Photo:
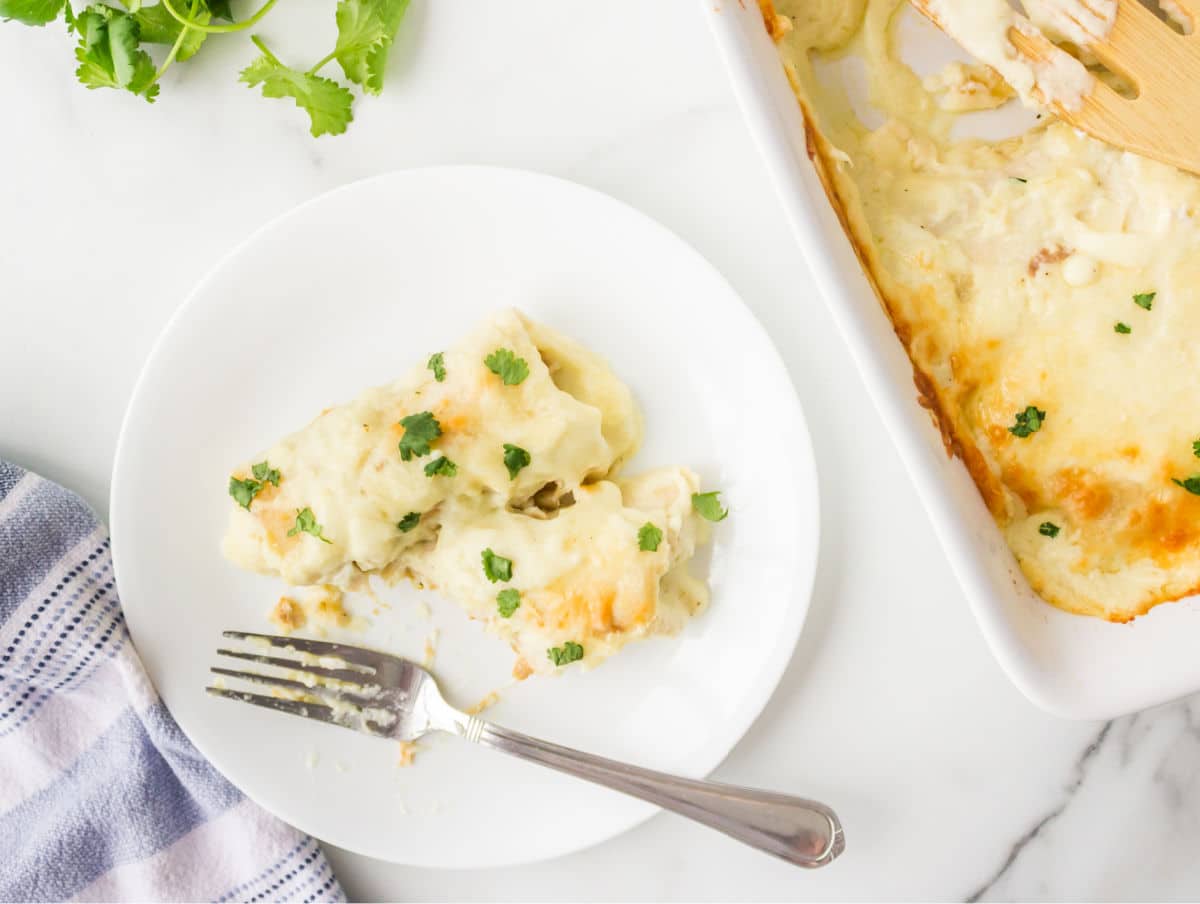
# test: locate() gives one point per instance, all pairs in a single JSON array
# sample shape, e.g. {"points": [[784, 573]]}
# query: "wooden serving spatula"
{"points": [[1163, 120]]}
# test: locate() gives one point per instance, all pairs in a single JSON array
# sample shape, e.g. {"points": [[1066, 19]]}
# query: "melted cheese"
{"points": [[1005, 267], [1081, 22], [983, 28], [964, 86], [568, 526]]}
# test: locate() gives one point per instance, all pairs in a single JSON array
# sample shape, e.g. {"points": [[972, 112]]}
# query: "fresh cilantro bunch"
{"points": [[112, 39]]}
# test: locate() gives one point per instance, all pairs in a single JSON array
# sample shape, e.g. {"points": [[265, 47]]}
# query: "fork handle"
{"points": [[799, 831]]}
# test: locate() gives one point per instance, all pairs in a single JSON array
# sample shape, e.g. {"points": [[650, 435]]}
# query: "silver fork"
{"points": [[389, 697]]}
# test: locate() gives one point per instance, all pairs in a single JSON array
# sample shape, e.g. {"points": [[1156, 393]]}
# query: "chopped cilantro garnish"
{"points": [[264, 472], [306, 523], [441, 467], [438, 365], [515, 458], [408, 522], [566, 654], [1048, 529], [1191, 484], [1029, 421], [1123, 328], [507, 602], [244, 491], [507, 366], [419, 431], [496, 568], [1144, 300], [649, 537], [708, 505], [1196, 448]]}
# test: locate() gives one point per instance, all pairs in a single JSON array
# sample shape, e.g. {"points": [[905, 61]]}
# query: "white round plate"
{"points": [[346, 292]]}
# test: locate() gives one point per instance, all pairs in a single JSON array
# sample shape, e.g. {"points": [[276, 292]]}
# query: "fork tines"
{"points": [[350, 701]]}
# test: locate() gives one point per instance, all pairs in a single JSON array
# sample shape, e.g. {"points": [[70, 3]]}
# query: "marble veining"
{"points": [[1035, 833], [1132, 799]]}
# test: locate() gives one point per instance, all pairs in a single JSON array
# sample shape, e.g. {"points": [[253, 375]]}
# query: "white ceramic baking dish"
{"points": [[1069, 665]]}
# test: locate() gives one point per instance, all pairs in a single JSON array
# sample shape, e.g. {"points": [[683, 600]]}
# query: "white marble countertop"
{"points": [[949, 783]]}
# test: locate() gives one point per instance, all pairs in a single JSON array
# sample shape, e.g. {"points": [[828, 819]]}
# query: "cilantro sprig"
{"points": [[1028, 422], [244, 490], [264, 472], [420, 430], [325, 101], [515, 458], [109, 52], [507, 366], [507, 602], [306, 523], [441, 467], [366, 31], [1191, 484], [569, 652], [31, 12], [496, 568], [437, 364], [649, 536], [708, 506], [113, 38]]}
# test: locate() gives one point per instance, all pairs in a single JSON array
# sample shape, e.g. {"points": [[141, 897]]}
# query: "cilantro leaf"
{"points": [[420, 430], [1196, 448], [244, 491], [1123, 328], [496, 568], [306, 523], [438, 365], [31, 12], [393, 14], [441, 467], [507, 366], [1191, 484], [708, 506], [566, 654], [507, 602], [1144, 300], [1048, 529], [515, 458], [1028, 422], [157, 26], [220, 9], [408, 522], [108, 52], [264, 472], [360, 30], [649, 537], [366, 31], [325, 101]]}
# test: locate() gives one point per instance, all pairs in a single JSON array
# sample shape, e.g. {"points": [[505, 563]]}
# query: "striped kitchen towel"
{"points": [[101, 795]]}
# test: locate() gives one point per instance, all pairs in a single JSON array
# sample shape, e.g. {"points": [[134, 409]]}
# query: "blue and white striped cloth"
{"points": [[101, 795]]}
